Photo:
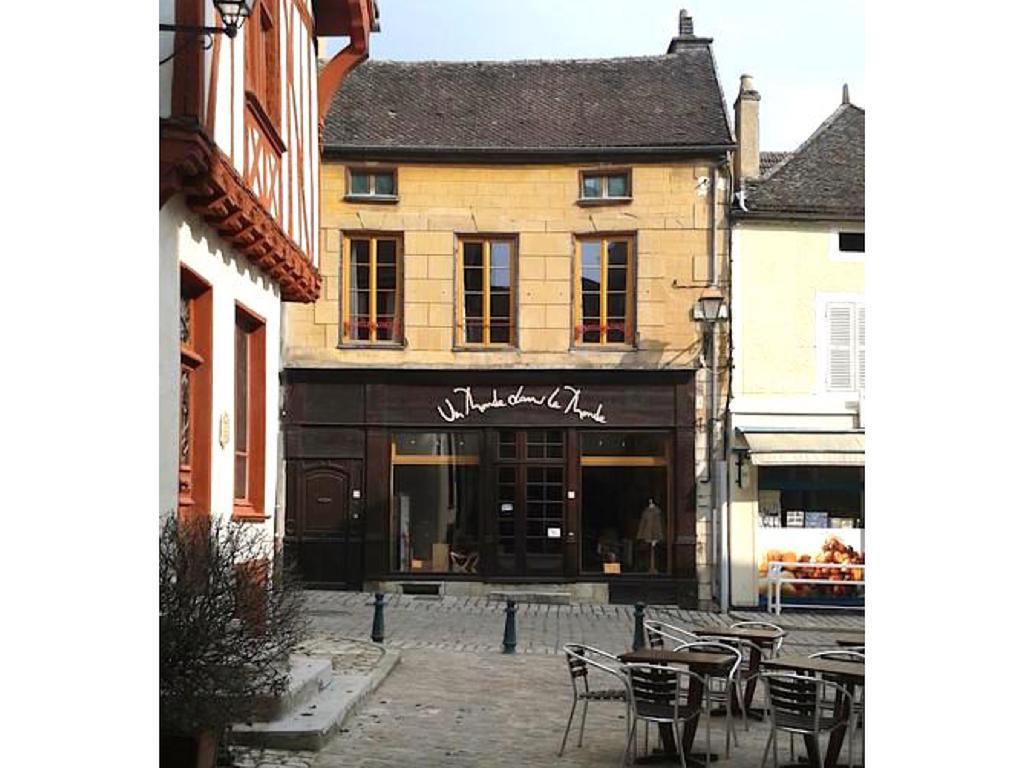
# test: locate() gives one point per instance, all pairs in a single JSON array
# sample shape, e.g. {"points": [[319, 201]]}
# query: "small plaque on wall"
{"points": [[554, 533], [613, 567]]}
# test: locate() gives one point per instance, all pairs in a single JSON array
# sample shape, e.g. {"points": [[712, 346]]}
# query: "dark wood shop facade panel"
{"points": [[499, 475]]}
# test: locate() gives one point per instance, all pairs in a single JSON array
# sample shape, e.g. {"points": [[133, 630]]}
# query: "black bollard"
{"points": [[377, 633], [638, 627], [509, 642]]}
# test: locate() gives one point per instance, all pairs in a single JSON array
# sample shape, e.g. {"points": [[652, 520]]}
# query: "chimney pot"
{"points": [[685, 23], [846, 93], [748, 143]]}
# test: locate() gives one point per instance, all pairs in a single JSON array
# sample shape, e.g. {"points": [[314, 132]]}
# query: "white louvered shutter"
{"points": [[860, 347], [839, 319]]}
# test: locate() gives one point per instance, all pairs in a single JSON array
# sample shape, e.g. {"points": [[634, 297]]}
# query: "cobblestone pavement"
{"points": [[455, 700], [442, 708], [476, 624]]}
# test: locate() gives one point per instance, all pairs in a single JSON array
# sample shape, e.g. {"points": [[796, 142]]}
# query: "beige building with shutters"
{"points": [[796, 411]]}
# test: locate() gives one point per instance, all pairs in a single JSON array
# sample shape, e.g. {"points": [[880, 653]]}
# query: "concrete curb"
{"points": [[388, 662], [312, 728]]}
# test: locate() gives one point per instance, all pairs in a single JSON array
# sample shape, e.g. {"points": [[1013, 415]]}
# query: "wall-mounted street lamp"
{"points": [[232, 12], [709, 305]]}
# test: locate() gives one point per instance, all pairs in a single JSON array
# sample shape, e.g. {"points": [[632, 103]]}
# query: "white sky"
{"points": [[800, 52]]}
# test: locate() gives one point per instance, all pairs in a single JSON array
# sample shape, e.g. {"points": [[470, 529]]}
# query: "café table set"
{"points": [[795, 685]]}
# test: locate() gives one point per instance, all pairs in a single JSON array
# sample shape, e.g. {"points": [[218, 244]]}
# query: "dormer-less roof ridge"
{"points": [[514, 62], [672, 101], [810, 139], [823, 178]]}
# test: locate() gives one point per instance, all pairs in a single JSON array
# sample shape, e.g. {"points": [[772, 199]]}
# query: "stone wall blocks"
{"points": [[440, 315], [325, 312], [440, 267]]}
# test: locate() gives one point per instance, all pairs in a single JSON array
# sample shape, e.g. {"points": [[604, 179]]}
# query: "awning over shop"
{"points": [[803, 448]]}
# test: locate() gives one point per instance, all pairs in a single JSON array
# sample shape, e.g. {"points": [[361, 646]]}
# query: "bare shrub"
{"points": [[230, 614]]}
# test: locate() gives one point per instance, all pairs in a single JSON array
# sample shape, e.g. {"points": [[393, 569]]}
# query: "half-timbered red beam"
{"points": [[360, 22]]}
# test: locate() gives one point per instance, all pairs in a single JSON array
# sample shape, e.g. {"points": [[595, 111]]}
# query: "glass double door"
{"points": [[530, 485]]}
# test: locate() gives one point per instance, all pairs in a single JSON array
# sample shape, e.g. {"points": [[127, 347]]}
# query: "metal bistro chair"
{"points": [[658, 695], [744, 673], [776, 644], [857, 703], [720, 696], [579, 658], [658, 631], [801, 705]]}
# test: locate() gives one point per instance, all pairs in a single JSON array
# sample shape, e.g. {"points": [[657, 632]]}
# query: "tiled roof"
{"points": [[670, 101], [770, 159], [823, 177]]}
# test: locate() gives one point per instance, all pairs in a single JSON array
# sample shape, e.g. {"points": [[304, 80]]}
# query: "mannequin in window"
{"points": [[651, 529]]}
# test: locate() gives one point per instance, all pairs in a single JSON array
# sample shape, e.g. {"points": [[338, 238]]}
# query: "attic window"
{"points": [[851, 242], [372, 184], [605, 186]]}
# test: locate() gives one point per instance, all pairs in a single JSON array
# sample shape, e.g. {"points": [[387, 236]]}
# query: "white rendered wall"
{"points": [[778, 272], [232, 279], [170, 358]]}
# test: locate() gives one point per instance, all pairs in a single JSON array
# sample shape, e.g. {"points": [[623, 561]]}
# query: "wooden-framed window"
{"points": [[371, 281], [195, 394], [263, 61], [609, 186], [605, 295], [486, 282], [373, 184], [250, 413]]}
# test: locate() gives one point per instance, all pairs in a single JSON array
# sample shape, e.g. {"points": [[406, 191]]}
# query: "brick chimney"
{"points": [[685, 35], [748, 141]]}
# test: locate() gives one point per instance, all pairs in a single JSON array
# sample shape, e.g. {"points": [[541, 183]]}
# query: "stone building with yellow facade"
{"points": [[796, 412], [505, 380]]}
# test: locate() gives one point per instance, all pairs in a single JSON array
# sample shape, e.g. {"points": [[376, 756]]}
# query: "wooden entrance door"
{"points": [[530, 503], [323, 522]]}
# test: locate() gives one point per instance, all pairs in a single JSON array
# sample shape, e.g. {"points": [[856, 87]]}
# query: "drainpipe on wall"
{"points": [[719, 522], [726, 527], [710, 421]]}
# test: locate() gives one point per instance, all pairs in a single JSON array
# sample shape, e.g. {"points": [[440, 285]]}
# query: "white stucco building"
{"points": [[796, 410], [239, 234]]}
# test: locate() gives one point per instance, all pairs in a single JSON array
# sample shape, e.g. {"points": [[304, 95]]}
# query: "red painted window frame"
{"points": [[251, 505], [194, 478], [263, 66]]}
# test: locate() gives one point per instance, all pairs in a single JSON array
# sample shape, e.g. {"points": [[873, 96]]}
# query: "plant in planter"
{"points": [[230, 614]]}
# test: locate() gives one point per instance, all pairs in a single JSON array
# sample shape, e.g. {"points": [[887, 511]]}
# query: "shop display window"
{"points": [[624, 495], [812, 519], [435, 502]]}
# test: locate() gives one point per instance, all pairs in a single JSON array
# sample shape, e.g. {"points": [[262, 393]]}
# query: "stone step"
{"points": [[307, 676], [310, 725], [531, 596]]}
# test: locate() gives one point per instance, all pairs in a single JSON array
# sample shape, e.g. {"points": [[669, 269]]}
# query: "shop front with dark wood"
{"points": [[510, 476]]}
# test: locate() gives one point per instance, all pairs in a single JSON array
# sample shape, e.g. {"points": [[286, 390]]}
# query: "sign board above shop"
{"points": [[493, 404], [563, 398], [590, 399]]}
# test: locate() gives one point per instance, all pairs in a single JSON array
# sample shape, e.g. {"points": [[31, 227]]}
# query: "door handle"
{"points": [[323, 499]]}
